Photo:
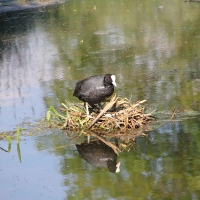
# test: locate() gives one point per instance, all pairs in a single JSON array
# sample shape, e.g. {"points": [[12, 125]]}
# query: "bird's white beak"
{"points": [[113, 77]]}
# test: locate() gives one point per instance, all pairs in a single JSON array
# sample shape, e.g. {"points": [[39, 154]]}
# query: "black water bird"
{"points": [[95, 89]]}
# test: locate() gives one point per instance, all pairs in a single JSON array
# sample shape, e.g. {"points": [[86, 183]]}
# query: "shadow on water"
{"points": [[154, 54]]}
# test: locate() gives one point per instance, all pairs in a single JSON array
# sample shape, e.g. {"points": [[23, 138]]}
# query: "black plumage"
{"points": [[95, 89]]}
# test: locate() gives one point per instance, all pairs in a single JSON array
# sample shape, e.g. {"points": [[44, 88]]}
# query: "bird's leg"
{"points": [[86, 107], [87, 110]]}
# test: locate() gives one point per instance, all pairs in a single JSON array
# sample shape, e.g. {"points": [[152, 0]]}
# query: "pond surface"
{"points": [[153, 48]]}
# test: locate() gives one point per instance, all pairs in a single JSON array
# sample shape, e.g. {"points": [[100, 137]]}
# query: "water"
{"points": [[153, 49]]}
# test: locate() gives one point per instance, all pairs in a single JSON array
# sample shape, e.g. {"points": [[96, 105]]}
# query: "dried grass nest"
{"points": [[118, 115]]}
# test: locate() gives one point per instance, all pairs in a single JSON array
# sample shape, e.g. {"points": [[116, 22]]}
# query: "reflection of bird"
{"points": [[95, 89], [99, 155]]}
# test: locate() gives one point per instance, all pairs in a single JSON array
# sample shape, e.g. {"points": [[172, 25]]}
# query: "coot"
{"points": [[95, 89]]}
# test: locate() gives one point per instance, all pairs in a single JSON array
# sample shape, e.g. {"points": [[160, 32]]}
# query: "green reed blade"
{"points": [[8, 139], [18, 135], [19, 153]]}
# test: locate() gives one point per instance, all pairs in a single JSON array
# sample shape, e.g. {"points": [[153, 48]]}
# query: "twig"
{"points": [[107, 107], [173, 113], [115, 149], [138, 103]]}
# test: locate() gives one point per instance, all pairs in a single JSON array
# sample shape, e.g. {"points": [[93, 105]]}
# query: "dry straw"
{"points": [[118, 116], [120, 120]]}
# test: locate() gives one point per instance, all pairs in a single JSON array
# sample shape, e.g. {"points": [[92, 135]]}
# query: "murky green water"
{"points": [[153, 47]]}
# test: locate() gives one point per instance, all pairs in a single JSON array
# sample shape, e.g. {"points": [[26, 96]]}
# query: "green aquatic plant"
{"points": [[19, 153], [18, 135], [9, 139], [52, 112]]}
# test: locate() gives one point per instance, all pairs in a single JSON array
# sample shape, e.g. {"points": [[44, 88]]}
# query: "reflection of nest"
{"points": [[117, 141], [119, 119], [119, 114]]}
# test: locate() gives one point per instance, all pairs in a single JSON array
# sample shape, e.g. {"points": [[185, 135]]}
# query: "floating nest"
{"points": [[118, 115], [119, 119]]}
